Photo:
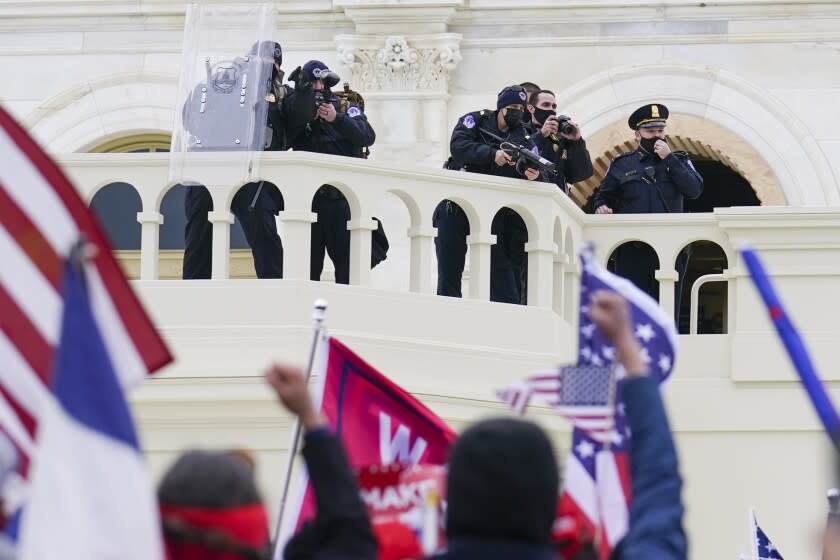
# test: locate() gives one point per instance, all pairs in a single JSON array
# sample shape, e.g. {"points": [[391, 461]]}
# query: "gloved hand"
{"points": [[301, 79]]}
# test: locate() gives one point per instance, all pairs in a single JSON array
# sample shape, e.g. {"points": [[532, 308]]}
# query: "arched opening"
{"points": [[184, 210], [508, 259], [703, 258], [135, 144], [724, 184], [638, 262], [116, 206], [723, 187]]}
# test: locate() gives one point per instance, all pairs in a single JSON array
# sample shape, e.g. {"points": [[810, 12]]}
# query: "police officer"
{"points": [[474, 150], [650, 179], [316, 120], [255, 206], [558, 139]]}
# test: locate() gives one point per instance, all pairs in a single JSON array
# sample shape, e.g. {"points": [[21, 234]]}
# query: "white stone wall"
{"points": [[80, 73]]}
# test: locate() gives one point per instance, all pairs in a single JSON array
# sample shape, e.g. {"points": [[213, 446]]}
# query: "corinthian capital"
{"points": [[396, 63]]}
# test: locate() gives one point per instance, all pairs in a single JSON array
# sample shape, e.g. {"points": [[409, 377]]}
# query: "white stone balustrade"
{"points": [[556, 227]]}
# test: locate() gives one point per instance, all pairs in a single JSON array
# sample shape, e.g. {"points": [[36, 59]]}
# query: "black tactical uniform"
{"points": [[348, 135], [225, 87], [475, 151], [641, 182], [570, 157]]}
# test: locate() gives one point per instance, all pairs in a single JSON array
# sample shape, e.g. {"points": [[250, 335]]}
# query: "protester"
{"points": [[503, 476], [341, 529], [210, 508]]}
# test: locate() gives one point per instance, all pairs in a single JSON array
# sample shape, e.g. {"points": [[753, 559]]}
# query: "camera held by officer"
{"points": [[558, 139], [312, 118]]}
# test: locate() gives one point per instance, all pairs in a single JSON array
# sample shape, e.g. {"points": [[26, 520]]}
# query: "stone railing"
{"points": [[556, 227]]}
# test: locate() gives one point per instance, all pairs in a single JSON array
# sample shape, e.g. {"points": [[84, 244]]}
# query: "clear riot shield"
{"points": [[222, 106]]}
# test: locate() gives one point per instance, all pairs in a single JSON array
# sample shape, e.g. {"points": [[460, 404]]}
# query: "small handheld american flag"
{"points": [[597, 479]]}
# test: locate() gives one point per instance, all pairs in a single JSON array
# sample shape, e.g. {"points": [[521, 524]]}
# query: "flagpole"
{"points": [[318, 312]]}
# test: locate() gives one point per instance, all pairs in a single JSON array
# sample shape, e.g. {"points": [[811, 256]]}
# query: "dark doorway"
{"points": [[722, 187]]}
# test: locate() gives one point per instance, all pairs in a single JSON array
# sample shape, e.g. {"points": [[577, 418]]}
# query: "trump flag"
{"points": [[379, 423]]}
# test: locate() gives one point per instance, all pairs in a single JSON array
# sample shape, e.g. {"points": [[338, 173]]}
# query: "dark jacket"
{"points": [[656, 511], [476, 151], [637, 183], [655, 527], [346, 136], [341, 530], [570, 157]]}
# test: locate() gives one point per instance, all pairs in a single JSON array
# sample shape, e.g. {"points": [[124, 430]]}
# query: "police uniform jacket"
{"points": [[477, 151], [570, 157], [346, 136], [638, 182]]}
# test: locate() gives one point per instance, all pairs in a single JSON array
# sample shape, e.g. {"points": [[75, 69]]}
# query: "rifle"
{"points": [[523, 155]]}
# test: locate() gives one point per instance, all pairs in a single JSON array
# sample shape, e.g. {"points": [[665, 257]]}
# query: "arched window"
{"points": [[135, 144]]}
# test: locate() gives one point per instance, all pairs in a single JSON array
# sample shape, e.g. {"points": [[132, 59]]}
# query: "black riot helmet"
{"points": [[268, 50]]}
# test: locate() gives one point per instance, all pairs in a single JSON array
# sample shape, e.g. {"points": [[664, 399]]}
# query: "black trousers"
{"points": [[330, 234], [259, 226], [450, 247], [508, 259]]}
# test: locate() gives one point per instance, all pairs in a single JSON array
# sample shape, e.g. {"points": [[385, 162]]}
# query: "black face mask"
{"points": [[541, 115], [647, 144], [513, 118]]}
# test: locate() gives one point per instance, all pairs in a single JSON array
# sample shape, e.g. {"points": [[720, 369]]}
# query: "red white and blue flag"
{"points": [[42, 217], [597, 472], [91, 496]]}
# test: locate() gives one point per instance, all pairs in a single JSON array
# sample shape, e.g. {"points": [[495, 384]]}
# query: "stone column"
{"points": [[150, 223], [221, 220], [667, 281], [540, 273], [360, 241], [422, 246], [480, 265], [297, 243]]}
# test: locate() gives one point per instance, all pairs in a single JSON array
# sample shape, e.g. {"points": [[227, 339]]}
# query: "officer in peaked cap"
{"points": [[217, 116], [650, 179]]}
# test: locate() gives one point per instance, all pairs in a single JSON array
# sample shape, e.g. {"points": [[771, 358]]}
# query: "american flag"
{"points": [[597, 475], [42, 217], [759, 546], [580, 393]]}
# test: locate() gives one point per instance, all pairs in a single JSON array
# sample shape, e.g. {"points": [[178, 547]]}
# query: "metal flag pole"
{"points": [[318, 312]]}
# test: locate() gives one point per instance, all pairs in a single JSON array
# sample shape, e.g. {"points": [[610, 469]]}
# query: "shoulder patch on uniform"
{"points": [[469, 121], [623, 154], [354, 111]]}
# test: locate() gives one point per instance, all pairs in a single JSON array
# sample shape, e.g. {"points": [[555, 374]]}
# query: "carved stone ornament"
{"points": [[396, 65]]}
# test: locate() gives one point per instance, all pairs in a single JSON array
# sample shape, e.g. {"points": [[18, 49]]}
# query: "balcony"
{"points": [[734, 399]]}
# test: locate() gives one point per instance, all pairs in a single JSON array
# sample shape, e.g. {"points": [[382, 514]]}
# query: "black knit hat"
{"points": [[503, 482]]}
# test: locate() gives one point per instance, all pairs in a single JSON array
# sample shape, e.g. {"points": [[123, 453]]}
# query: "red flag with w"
{"points": [[42, 217], [379, 423]]}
